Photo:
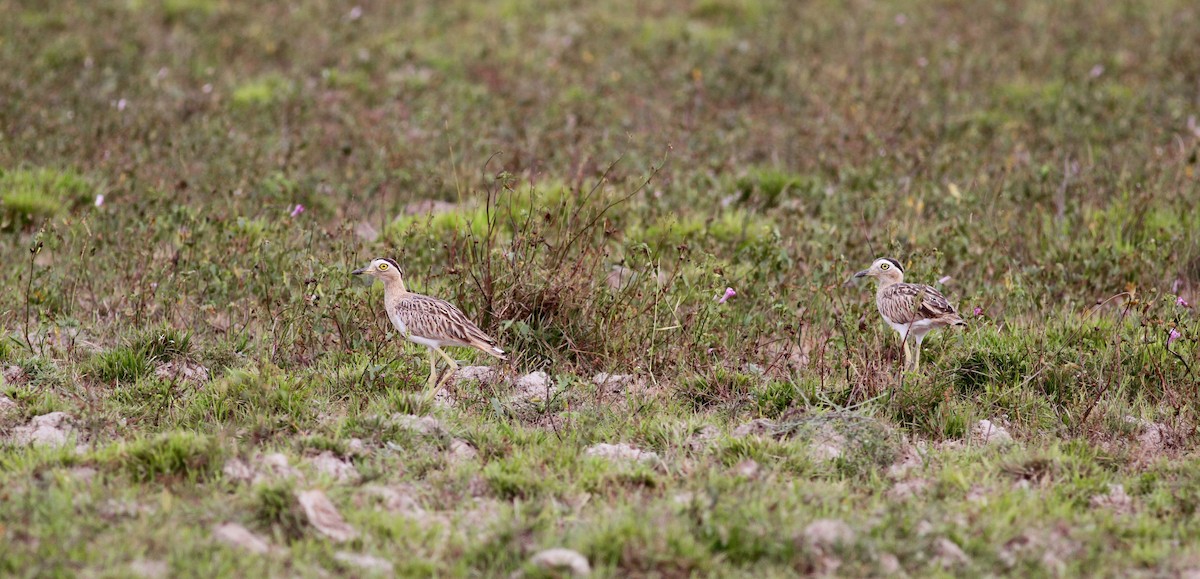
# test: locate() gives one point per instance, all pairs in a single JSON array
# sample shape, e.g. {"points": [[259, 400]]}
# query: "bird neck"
{"points": [[886, 282], [394, 287]]}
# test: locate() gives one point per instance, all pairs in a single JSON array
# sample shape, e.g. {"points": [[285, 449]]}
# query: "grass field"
{"points": [[194, 385]]}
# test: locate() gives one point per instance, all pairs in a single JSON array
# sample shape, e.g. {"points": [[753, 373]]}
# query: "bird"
{"points": [[913, 310], [428, 321]]}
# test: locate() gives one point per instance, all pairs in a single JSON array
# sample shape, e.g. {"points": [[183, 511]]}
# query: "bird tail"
{"points": [[490, 348]]}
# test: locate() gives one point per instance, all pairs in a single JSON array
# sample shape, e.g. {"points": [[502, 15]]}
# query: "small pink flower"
{"points": [[99, 200], [1179, 301], [298, 210], [978, 311], [728, 294], [1173, 335]]}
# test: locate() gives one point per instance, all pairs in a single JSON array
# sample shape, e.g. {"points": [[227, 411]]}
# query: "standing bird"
{"points": [[428, 321], [913, 310]]}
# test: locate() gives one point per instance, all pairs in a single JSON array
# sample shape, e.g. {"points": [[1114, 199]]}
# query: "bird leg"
{"points": [[907, 354], [449, 371], [432, 370]]}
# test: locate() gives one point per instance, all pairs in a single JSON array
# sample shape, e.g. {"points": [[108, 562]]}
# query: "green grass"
{"points": [[603, 171]]}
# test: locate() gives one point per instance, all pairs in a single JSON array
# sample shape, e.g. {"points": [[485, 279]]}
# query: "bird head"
{"points": [[382, 268], [884, 270]]}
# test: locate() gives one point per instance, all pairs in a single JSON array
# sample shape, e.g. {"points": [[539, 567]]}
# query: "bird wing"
{"points": [[435, 319], [908, 302]]}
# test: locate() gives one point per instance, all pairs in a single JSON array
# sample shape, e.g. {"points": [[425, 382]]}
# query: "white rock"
{"points": [[614, 383], [444, 399], [276, 464], [824, 534], [563, 560], [756, 427], [889, 564], [121, 509], [461, 451], [51, 429], [1151, 438], [906, 489], [683, 499], [83, 473], [334, 467], [355, 447], [364, 562], [149, 568], [426, 425], [909, 460], [481, 374], [828, 445], [1116, 500], [235, 535], [14, 375], [949, 554], [533, 386], [7, 404], [182, 370], [621, 453], [237, 470], [324, 517], [396, 500], [703, 438], [747, 468], [988, 433]]}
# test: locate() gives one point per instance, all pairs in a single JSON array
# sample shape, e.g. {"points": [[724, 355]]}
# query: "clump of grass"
{"points": [[163, 344], [516, 477], [722, 387], [924, 405], [6, 346], [136, 359], [171, 456], [767, 187], [30, 195], [276, 507], [265, 399], [121, 364], [261, 92]]}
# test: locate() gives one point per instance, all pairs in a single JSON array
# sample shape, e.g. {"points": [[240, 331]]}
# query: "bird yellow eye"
{"points": [[383, 267], [884, 266]]}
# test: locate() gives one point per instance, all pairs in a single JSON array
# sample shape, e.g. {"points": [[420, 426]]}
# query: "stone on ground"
{"points": [[987, 432], [563, 560], [53, 429], [620, 453], [324, 517], [235, 535], [365, 562]]}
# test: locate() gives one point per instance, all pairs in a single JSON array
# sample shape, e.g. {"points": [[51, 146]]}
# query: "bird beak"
{"points": [[359, 271], [862, 273]]}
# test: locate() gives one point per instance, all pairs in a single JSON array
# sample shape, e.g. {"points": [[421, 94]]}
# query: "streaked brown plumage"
{"points": [[426, 320], [435, 319], [905, 303], [913, 310]]}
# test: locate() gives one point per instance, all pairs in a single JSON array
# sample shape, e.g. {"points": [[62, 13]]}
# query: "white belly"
{"points": [[399, 325], [403, 329], [914, 331]]}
